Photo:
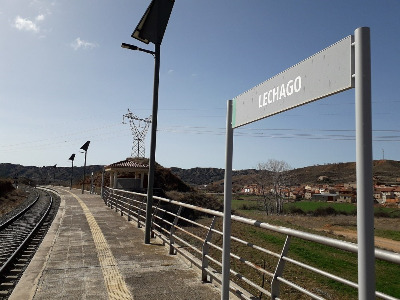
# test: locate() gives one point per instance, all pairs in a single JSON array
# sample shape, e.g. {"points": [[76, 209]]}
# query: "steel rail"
{"points": [[25, 241], [13, 218]]}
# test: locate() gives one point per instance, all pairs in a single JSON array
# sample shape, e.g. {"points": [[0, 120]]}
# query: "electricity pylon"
{"points": [[139, 128]]}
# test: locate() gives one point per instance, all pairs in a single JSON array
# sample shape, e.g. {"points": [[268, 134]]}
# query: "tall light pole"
{"points": [[84, 148], [54, 175], [151, 28], [72, 157]]}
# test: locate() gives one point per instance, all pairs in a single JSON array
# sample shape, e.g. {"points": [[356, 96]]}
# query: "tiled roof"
{"points": [[127, 164]]}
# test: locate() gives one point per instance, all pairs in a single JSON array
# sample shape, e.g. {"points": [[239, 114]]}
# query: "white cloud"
{"points": [[25, 24], [40, 18], [78, 44], [170, 71]]}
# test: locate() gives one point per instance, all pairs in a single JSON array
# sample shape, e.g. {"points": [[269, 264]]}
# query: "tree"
{"points": [[273, 177]]}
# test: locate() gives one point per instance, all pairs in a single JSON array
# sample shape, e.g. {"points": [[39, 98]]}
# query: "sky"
{"points": [[64, 80]]}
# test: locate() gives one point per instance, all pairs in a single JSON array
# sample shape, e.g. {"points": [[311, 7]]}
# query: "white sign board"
{"points": [[326, 73]]}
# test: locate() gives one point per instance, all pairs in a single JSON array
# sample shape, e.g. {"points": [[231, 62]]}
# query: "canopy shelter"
{"points": [[130, 174]]}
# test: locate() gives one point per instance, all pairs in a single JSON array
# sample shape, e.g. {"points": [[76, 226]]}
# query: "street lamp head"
{"points": [[72, 157], [133, 47], [85, 146], [151, 27], [128, 46]]}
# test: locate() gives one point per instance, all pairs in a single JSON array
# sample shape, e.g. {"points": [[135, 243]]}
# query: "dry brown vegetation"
{"points": [[10, 197]]}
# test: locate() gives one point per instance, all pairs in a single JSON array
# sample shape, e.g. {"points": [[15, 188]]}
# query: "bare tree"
{"points": [[273, 177]]}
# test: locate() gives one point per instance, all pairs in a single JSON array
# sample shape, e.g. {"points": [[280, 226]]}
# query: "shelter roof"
{"points": [[128, 163]]}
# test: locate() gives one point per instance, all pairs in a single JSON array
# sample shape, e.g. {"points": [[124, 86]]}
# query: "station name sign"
{"points": [[325, 73]]}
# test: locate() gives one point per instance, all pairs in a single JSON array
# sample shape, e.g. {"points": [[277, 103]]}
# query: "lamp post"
{"points": [[84, 148], [72, 157], [151, 28], [54, 175]]}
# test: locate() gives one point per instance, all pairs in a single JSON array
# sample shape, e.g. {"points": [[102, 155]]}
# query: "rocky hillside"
{"points": [[46, 174], [385, 171], [205, 176]]}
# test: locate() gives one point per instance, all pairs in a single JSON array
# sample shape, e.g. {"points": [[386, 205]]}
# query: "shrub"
{"points": [[5, 187], [324, 211]]}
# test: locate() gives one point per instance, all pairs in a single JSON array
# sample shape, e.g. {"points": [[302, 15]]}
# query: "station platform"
{"points": [[91, 252]]}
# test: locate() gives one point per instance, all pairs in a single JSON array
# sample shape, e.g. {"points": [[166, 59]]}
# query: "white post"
{"points": [[365, 208], [226, 251]]}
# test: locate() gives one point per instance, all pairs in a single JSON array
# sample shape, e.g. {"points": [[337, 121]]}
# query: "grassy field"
{"points": [[335, 261], [249, 202], [312, 217]]}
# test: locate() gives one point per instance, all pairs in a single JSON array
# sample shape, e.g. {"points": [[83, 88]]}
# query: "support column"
{"points": [[115, 180], [226, 244], [365, 207]]}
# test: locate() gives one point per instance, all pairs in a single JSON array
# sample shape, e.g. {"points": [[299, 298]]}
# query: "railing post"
{"points": [[122, 205], [139, 213], [279, 270], [171, 234], [152, 221], [204, 260], [129, 210], [102, 184], [104, 196]]}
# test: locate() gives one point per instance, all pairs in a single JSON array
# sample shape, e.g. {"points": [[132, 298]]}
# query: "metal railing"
{"points": [[261, 267]]}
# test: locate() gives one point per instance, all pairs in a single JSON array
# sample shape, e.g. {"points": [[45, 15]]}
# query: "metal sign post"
{"points": [[365, 208], [226, 247], [344, 65]]}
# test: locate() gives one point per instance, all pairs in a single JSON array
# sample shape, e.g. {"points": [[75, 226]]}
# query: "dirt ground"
{"points": [[11, 200], [341, 226]]}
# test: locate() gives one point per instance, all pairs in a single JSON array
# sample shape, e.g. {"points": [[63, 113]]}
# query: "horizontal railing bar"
{"points": [[384, 296], [183, 218], [321, 272], [249, 282], [187, 244], [215, 246], [255, 247], [205, 210], [299, 288], [250, 264], [347, 246], [217, 231], [214, 260], [189, 233]]}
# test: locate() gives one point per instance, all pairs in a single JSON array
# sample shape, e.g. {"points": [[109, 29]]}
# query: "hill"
{"points": [[384, 171], [46, 174], [205, 176]]}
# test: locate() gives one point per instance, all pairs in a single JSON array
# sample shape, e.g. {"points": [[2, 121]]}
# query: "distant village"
{"points": [[384, 195]]}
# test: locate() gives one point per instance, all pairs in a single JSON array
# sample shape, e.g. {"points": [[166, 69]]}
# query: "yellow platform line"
{"points": [[115, 284]]}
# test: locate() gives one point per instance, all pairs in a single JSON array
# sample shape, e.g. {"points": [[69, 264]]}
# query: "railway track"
{"points": [[21, 235]]}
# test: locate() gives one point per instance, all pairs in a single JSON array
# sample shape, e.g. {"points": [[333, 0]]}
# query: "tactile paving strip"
{"points": [[115, 284]]}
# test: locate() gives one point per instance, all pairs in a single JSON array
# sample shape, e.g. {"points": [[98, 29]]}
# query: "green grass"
{"points": [[387, 212], [252, 202], [245, 204], [335, 261], [312, 206], [388, 234]]}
